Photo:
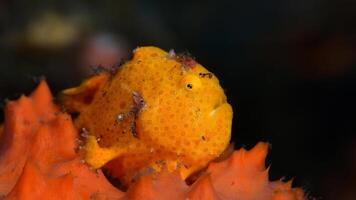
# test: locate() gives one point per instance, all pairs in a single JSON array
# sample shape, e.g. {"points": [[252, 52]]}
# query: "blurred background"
{"points": [[288, 67]]}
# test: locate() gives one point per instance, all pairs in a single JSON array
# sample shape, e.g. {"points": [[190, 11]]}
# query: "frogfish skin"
{"points": [[157, 111]]}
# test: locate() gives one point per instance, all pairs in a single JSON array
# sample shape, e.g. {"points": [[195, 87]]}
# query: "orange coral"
{"points": [[38, 158], [242, 176], [38, 161]]}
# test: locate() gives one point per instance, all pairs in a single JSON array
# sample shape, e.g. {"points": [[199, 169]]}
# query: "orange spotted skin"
{"points": [[159, 109]]}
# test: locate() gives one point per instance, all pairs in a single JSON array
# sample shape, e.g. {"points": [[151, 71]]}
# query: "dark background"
{"points": [[288, 67]]}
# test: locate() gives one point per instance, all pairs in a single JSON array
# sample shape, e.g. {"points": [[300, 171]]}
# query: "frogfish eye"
{"points": [[191, 82]]}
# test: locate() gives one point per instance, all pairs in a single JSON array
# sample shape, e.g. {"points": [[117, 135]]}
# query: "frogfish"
{"points": [[158, 111]]}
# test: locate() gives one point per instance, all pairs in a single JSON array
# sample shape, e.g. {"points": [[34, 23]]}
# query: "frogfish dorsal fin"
{"points": [[77, 99]]}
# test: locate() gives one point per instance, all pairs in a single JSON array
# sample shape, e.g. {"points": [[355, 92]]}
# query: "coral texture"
{"points": [[38, 160]]}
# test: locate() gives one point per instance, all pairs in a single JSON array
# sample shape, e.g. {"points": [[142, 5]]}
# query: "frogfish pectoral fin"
{"points": [[97, 156]]}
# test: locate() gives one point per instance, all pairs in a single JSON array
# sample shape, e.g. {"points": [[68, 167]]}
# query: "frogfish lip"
{"points": [[218, 107]]}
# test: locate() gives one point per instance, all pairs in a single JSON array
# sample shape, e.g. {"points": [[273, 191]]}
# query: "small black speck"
{"points": [[208, 74]]}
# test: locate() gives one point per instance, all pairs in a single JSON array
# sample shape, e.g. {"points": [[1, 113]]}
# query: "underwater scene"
{"points": [[177, 100]]}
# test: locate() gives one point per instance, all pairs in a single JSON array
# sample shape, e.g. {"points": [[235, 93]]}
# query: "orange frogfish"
{"points": [[157, 111]]}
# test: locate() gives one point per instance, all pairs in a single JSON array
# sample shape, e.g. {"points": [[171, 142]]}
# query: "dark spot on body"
{"points": [[190, 86], [208, 74]]}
